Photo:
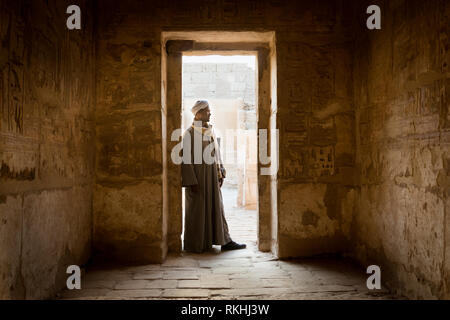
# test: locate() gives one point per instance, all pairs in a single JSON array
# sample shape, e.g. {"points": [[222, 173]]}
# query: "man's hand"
{"points": [[220, 182], [194, 188]]}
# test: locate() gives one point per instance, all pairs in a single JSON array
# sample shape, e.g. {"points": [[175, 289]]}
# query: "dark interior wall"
{"points": [[315, 118], [128, 188], [46, 145], [402, 97]]}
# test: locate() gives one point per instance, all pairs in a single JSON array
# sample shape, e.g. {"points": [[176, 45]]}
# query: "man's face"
{"points": [[204, 114]]}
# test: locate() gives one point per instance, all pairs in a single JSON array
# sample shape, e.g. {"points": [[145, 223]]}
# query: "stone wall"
{"points": [[46, 146], [219, 81], [128, 189], [315, 118], [402, 96]]}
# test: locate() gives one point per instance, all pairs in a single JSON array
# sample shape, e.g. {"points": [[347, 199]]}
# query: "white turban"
{"points": [[199, 105]]}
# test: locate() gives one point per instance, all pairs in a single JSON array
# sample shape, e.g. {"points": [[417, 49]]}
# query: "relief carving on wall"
{"points": [[309, 144], [12, 78]]}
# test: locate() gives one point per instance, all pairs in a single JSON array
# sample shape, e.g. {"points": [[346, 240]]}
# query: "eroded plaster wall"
{"points": [[46, 146], [128, 189], [315, 118], [402, 96]]}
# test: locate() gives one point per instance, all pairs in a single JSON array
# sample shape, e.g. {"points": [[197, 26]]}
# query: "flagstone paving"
{"points": [[241, 274]]}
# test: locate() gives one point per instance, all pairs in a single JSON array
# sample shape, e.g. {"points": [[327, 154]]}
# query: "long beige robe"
{"points": [[204, 223]]}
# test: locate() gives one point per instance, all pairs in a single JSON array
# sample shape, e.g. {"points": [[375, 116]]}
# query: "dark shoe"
{"points": [[233, 246]]}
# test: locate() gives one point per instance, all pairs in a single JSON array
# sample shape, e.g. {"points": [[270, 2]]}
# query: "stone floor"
{"points": [[240, 274], [241, 222]]}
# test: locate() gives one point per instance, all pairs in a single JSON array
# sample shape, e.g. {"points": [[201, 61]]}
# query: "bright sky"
{"points": [[249, 60]]}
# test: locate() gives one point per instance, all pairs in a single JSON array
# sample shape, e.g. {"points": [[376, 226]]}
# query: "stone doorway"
{"points": [[229, 83], [262, 45]]}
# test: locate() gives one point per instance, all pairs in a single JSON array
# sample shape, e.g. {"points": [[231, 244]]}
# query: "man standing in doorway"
{"points": [[202, 173]]}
